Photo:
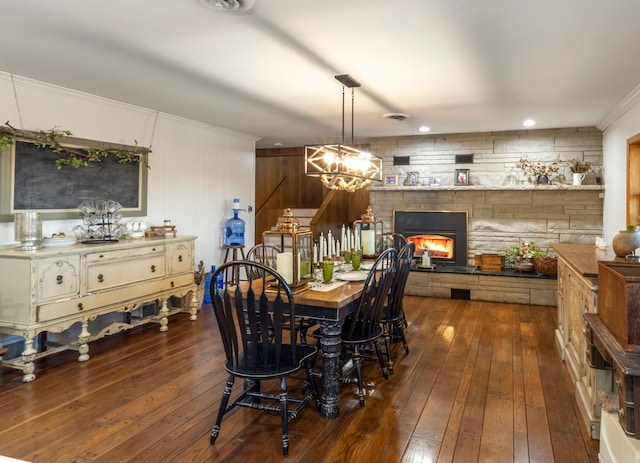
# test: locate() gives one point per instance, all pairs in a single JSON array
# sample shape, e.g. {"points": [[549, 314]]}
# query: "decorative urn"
{"points": [[626, 242]]}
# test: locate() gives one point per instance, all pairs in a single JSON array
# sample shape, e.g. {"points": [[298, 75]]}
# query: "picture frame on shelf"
{"points": [[391, 180], [412, 179], [461, 177], [434, 182]]}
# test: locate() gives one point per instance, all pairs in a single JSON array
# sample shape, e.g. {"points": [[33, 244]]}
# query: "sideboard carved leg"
{"points": [[83, 342], [193, 307], [164, 314], [331, 345], [28, 356]]}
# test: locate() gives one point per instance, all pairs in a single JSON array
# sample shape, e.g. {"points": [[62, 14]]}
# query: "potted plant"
{"points": [[520, 256]]}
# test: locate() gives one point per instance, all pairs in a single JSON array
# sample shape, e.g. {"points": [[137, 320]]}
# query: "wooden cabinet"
{"points": [[577, 295], [50, 290]]}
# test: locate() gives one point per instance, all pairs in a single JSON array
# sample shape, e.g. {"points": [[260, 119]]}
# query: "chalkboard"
{"points": [[38, 185]]}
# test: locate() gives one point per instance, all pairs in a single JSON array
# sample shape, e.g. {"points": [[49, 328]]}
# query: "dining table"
{"points": [[330, 305]]}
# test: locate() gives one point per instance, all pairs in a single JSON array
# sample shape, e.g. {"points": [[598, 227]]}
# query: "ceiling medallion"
{"points": [[396, 116], [229, 6]]}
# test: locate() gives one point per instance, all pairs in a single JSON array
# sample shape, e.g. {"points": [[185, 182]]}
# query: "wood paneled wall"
{"points": [[281, 183]]}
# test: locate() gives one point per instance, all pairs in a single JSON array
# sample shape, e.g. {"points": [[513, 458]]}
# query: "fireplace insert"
{"points": [[443, 233]]}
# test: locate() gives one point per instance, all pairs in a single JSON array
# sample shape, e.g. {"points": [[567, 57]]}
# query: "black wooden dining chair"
{"points": [[263, 253], [393, 319], [267, 254], [251, 318], [361, 331], [393, 240]]}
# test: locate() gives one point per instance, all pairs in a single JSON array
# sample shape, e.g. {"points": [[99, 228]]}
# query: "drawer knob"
{"points": [[180, 258], [153, 269], [101, 278], [172, 284], [80, 307], [59, 279]]}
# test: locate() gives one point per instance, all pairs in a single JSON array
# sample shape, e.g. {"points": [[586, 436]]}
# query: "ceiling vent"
{"points": [[229, 6], [396, 116]]}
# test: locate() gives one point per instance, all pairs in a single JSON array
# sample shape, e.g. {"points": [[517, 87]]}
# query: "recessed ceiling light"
{"points": [[278, 143], [424, 128], [529, 123]]}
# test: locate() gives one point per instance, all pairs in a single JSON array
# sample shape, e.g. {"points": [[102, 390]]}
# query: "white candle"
{"points": [[368, 242], [284, 266], [315, 253], [321, 244], [426, 259]]}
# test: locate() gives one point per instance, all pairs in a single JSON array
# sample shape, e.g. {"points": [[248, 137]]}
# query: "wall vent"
{"points": [[464, 158], [401, 160]]}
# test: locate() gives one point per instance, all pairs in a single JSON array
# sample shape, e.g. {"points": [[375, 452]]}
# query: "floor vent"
{"points": [[464, 294]]}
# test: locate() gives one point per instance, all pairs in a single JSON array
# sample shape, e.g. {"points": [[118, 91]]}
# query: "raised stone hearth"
{"points": [[455, 282]]}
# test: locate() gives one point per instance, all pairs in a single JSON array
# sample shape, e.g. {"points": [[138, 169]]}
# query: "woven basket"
{"points": [[546, 265]]}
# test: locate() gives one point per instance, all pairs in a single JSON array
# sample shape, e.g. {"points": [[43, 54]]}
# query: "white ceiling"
{"points": [[454, 65]]}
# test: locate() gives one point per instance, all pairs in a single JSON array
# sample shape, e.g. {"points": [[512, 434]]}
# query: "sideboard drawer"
{"points": [[112, 274], [122, 254], [56, 310], [57, 277]]}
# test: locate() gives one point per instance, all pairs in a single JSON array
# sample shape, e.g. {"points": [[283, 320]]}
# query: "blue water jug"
{"points": [[234, 227], [207, 282]]}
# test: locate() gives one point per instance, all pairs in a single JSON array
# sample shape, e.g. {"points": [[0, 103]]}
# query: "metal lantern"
{"points": [[368, 233], [295, 259]]}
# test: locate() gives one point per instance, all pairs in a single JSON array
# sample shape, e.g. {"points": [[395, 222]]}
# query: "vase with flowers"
{"points": [[579, 169], [541, 171]]}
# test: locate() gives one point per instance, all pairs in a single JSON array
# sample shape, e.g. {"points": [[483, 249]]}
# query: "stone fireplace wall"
{"points": [[501, 210]]}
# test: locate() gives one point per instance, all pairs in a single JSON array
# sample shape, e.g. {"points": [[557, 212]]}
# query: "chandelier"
{"points": [[340, 166]]}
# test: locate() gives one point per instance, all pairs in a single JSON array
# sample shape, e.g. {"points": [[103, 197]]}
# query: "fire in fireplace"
{"points": [[439, 246], [443, 233]]}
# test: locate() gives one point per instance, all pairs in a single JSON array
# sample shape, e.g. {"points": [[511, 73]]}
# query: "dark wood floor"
{"points": [[483, 382]]}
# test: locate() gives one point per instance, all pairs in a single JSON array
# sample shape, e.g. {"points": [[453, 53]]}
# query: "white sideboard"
{"points": [[51, 289]]}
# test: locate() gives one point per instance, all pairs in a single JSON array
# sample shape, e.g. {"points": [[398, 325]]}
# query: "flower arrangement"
{"points": [[523, 250], [198, 274], [577, 166], [537, 168]]}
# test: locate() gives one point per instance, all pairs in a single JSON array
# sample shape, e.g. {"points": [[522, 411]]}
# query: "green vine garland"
{"points": [[70, 156]]}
